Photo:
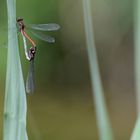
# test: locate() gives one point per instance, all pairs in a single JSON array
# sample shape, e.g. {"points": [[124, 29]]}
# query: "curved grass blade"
{"points": [[136, 132], [104, 125], [45, 27], [43, 37], [15, 107], [30, 83]]}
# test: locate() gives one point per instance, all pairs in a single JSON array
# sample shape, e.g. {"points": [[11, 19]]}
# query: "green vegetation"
{"points": [[15, 97], [83, 91], [105, 130]]}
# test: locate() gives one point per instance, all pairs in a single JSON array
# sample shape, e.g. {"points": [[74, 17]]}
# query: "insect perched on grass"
{"points": [[30, 54]]}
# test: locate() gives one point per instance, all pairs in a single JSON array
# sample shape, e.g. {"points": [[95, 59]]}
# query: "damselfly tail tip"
{"points": [[59, 26], [29, 91], [52, 41]]}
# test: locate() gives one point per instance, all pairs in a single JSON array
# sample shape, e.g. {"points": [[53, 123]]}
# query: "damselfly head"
{"points": [[20, 23], [19, 19]]}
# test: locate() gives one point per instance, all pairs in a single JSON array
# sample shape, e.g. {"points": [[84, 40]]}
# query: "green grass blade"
{"points": [[105, 130], [137, 51], [15, 97], [136, 131]]}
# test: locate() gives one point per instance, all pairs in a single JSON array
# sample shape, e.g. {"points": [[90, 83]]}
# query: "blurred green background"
{"points": [[62, 106]]}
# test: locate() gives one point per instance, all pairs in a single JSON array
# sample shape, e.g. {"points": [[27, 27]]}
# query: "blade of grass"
{"points": [[105, 130], [15, 97], [136, 131], [136, 134], [137, 51]]}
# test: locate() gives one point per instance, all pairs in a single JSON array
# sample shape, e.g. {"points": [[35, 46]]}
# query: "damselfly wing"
{"points": [[35, 29], [44, 37], [44, 27]]}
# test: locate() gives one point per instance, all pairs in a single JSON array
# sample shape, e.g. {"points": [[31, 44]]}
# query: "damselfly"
{"points": [[30, 54]]}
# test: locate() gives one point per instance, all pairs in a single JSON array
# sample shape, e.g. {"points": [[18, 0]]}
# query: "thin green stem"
{"points": [[136, 131], [136, 134], [137, 51], [105, 131]]}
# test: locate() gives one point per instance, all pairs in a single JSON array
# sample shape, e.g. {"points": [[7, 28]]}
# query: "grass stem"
{"points": [[15, 98], [105, 130]]}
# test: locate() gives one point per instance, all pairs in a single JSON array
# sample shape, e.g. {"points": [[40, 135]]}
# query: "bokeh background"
{"points": [[62, 106]]}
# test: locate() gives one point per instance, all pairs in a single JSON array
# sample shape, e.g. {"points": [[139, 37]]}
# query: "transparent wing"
{"points": [[30, 83], [45, 27], [43, 37]]}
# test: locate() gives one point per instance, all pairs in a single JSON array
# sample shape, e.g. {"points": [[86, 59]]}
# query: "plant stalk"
{"points": [[103, 122], [15, 107], [135, 134]]}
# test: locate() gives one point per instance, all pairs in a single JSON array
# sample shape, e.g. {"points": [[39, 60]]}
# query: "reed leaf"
{"points": [[137, 51], [15, 97], [136, 134], [136, 131], [105, 130]]}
